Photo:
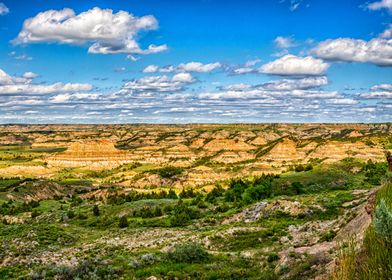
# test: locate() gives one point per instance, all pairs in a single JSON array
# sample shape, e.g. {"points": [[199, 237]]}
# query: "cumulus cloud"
{"points": [[66, 97], [30, 75], [3, 9], [282, 85], [184, 67], [343, 101], [381, 91], [376, 51], [107, 32], [284, 42], [151, 69], [387, 34], [160, 83], [377, 95], [293, 84], [10, 85], [296, 66], [199, 67], [383, 4], [384, 87]]}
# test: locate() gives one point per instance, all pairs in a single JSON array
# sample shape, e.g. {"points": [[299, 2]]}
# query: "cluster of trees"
{"points": [[247, 191], [12, 208], [168, 172], [374, 172], [117, 199]]}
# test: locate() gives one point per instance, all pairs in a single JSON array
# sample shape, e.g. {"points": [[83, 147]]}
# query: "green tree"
{"points": [[96, 210], [123, 222]]}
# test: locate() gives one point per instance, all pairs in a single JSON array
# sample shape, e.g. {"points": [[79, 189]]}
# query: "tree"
{"points": [[123, 222], [96, 210]]}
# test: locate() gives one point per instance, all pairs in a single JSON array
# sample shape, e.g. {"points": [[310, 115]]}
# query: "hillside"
{"points": [[187, 201]]}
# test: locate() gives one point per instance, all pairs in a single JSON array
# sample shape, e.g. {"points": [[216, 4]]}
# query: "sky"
{"points": [[196, 61]]}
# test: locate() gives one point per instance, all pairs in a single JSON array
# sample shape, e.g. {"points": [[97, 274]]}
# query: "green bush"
{"points": [[272, 257], [96, 210], [182, 214], [216, 192], [169, 171], [299, 168], [189, 252], [382, 221], [123, 222]]}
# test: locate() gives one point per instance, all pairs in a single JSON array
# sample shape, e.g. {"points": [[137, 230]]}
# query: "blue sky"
{"points": [[214, 61]]}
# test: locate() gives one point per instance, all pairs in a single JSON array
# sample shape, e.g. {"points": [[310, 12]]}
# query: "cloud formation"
{"points": [[295, 66], [10, 85], [383, 4], [184, 67], [387, 34], [284, 42], [3, 9], [381, 91], [159, 83], [105, 31], [376, 51]]}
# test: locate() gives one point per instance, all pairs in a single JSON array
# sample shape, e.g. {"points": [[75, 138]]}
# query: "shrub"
{"points": [[123, 222], [189, 252], [71, 214], [297, 187], [308, 167], [299, 168], [272, 257], [35, 213], [182, 214], [96, 210], [169, 171], [383, 221], [216, 192]]}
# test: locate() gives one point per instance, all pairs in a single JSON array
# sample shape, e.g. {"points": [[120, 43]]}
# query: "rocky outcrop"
{"points": [[217, 145]]}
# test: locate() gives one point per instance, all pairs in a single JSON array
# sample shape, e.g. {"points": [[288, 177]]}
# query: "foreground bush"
{"points": [[189, 252], [382, 222]]}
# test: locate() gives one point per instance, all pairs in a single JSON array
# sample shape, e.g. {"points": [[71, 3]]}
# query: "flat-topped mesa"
{"points": [[95, 154], [102, 149]]}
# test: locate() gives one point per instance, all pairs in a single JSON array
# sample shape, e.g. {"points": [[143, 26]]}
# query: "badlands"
{"points": [[196, 201]]}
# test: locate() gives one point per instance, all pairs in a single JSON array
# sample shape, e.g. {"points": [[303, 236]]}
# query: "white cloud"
{"points": [[382, 87], [183, 78], [43, 89], [234, 87], [29, 75], [383, 4], [387, 34], [151, 69], [107, 31], [294, 65], [3, 9], [10, 85], [284, 42], [244, 70], [377, 94], [376, 51], [167, 69], [6, 79], [199, 67], [160, 83], [292, 84], [20, 57], [343, 101], [66, 97], [184, 67], [252, 62]]}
